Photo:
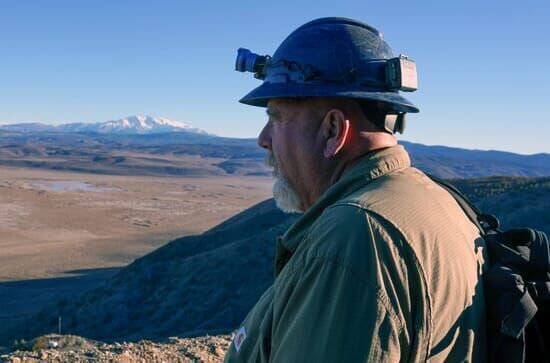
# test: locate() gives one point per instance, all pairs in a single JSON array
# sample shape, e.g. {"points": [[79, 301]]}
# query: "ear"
{"points": [[335, 129]]}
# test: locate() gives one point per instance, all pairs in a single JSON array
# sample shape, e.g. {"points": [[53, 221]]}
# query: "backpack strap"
{"points": [[510, 291], [484, 222]]}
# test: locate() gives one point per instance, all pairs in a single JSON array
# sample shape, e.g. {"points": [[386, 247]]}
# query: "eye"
{"points": [[273, 115]]}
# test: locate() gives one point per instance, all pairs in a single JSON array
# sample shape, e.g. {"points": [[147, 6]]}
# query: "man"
{"points": [[383, 265]]}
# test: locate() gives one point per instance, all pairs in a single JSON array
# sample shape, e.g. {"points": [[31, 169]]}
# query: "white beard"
{"points": [[284, 194]]}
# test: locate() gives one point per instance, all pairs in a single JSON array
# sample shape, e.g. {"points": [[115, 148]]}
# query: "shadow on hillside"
{"points": [[24, 298]]}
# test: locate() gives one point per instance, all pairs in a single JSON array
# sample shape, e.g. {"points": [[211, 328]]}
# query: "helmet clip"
{"points": [[395, 122]]}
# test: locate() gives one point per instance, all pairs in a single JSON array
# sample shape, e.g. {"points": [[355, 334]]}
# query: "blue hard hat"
{"points": [[332, 57]]}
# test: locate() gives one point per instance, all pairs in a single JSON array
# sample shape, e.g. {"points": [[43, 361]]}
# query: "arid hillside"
{"points": [[206, 284], [191, 286], [63, 232]]}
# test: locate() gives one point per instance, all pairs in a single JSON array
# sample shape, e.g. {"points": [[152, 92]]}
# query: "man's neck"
{"points": [[372, 147]]}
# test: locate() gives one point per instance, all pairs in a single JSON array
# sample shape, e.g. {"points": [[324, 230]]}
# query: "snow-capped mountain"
{"points": [[128, 125]]}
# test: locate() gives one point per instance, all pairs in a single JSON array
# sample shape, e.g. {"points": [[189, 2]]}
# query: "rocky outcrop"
{"points": [[70, 348]]}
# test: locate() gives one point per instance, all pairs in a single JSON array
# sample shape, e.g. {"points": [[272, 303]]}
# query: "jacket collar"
{"points": [[370, 167]]}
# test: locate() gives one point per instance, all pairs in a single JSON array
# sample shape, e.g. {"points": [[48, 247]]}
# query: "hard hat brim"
{"points": [[261, 95]]}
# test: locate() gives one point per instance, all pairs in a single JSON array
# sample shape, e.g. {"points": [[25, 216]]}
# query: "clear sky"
{"points": [[484, 66]]}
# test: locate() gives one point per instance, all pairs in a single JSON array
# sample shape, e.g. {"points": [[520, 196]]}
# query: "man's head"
{"points": [[331, 92], [311, 142]]}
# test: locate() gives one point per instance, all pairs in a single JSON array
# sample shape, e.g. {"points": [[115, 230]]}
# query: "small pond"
{"points": [[68, 186]]}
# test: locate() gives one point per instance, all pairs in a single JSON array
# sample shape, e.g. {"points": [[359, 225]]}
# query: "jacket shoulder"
{"points": [[354, 239]]}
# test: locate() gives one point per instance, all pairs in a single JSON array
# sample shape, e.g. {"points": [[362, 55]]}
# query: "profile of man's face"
{"points": [[286, 140], [291, 136]]}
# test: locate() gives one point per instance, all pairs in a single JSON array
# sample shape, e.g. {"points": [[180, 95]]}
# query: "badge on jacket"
{"points": [[239, 338]]}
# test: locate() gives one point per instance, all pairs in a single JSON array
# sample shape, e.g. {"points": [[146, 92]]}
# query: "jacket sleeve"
{"points": [[328, 311]]}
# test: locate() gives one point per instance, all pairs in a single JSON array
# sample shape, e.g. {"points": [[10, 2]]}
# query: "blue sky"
{"points": [[484, 66]]}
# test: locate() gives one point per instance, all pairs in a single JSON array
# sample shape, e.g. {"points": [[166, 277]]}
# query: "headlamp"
{"points": [[251, 62]]}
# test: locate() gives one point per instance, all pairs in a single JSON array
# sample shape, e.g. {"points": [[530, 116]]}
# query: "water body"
{"points": [[69, 186]]}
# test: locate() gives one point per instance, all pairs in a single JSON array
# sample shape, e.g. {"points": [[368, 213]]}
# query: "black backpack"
{"points": [[517, 287]]}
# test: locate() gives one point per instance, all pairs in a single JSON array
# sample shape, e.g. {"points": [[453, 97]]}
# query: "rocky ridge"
{"points": [[69, 348]]}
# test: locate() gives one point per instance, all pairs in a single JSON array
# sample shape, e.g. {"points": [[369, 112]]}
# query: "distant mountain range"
{"points": [[452, 162], [145, 145], [128, 125]]}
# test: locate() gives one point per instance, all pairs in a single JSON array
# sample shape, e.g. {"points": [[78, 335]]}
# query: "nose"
{"points": [[264, 139]]}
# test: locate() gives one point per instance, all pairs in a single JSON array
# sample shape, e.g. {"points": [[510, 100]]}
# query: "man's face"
{"points": [[290, 136]]}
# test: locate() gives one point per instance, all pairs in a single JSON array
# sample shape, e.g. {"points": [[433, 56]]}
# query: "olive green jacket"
{"points": [[385, 267]]}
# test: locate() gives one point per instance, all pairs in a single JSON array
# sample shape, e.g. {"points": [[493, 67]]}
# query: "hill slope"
{"points": [[207, 283], [190, 286]]}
